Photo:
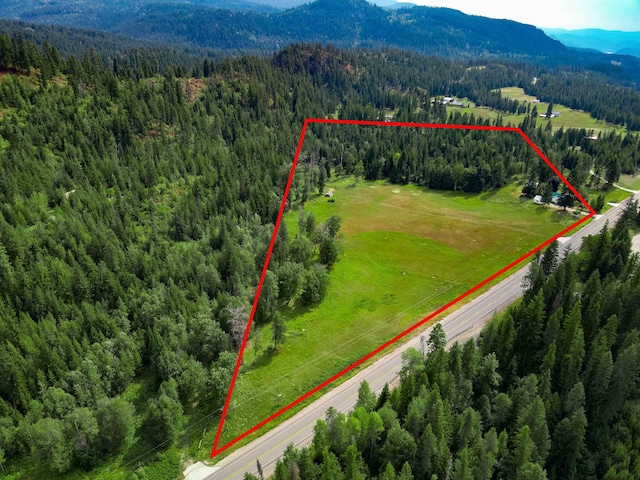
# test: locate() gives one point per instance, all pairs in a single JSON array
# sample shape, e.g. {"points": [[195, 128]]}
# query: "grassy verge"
{"points": [[407, 251]]}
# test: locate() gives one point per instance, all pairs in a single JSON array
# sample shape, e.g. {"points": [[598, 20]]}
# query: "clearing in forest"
{"points": [[569, 118], [406, 251]]}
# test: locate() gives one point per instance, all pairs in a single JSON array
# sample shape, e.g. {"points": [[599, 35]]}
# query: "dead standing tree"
{"points": [[238, 319]]}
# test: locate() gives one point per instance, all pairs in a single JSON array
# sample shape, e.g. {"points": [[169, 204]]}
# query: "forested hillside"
{"points": [[98, 14], [148, 57], [239, 27], [136, 210], [587, 89], [549, 391], [134, 223], [341, 22]]}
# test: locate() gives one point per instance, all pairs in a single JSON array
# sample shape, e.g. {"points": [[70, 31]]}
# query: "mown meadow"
{"points": [[406, 250]]}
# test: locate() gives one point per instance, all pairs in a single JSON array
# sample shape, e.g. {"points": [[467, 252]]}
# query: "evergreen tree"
{"points": [[279, 330], [550, 258], [398, 448], [164, 416], [115, 419], [366, 398], [354, 468], [571, 342], [331, 469]]}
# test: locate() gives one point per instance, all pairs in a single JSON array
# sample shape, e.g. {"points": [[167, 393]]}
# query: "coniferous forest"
{"points": [[137, 202]]}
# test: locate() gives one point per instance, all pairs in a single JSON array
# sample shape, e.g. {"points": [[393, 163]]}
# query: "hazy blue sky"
{"points": [[570, 14]]}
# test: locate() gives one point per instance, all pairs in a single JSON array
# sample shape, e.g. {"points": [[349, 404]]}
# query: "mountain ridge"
{"points": [[180, 21], [613, 41], [343, 23]]}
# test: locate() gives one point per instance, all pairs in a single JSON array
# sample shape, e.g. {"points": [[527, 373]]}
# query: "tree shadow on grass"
{"points": [[562, 216], [296, 310], [268, 353], [488, 195], [264, 359]]}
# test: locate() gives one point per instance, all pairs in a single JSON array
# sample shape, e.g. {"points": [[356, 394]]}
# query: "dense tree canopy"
{"points": [[136, 211]]}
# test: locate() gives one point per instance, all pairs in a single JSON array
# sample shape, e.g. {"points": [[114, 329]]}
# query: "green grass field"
{"points": [[406, 251], [630, 181], [568, 118], [612, 195]]}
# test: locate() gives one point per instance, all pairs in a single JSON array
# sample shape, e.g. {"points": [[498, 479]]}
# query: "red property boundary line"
{"points": [[215, 450]]}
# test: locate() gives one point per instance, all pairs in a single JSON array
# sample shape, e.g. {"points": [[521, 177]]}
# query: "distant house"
{"points": [[456, 103], [536, 101], [329, 194], [538, 200], [593, 137], [553, 115]]}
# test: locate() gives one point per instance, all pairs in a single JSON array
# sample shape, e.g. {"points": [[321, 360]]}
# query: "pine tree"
{"points": [[529, 333], [550, 258], [330, 469], [399, 447], [571, 342], [354, 468], [405, 473], [462, 467], [389, 472], [488, 459], [279, 330], [366, 398], [534, 417], [626, 371], [597, 378], [590, 300]]}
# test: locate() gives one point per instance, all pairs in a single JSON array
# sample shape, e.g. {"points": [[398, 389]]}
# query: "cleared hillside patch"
{"points": [[568, 118]]}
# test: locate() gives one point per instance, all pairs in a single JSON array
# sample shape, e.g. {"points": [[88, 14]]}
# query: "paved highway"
{"points": [[460, 325]]}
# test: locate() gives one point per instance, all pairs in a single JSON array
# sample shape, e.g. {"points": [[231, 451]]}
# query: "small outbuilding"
{"points": [[538, 200]]}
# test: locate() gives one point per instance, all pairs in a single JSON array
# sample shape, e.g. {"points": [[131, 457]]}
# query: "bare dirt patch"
{"points": [[192, 88]]}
